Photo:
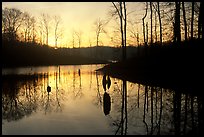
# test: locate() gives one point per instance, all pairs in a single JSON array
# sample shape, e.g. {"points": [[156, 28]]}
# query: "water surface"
{"points": [[83, 101]]}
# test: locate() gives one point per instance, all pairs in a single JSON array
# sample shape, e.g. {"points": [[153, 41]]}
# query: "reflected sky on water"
{"points": [[83, 101]]}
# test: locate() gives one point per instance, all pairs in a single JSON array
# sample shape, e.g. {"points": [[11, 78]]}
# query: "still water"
{"points": [[83, 101]]}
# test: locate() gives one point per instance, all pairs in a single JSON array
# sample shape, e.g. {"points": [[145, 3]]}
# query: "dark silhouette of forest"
{"points": [[176, 65], [171, 66], [18, 53], [24, 54]]}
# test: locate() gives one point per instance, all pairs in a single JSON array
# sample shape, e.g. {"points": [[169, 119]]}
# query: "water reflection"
{"points": [[14, 107], [106, 81], [122, 126], [106, 103], [164, 112], [129, 108]]}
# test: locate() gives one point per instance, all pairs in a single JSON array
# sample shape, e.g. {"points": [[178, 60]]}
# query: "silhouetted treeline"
{"points": [[18, 53], [24, 54], [170, 65]]}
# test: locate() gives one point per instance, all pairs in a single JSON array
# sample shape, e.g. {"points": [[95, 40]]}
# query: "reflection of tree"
{"points": [[47, 98], [160, 114], [177, 112], [98, 91], [74, 80], [90, 77], [164, 111], [57, 90], [77, 92], [200, 114], [187, 111], [124, 119], [10, 107], [47, 105], [138, 96], [153, 126], [24, 94], [18, 101]]}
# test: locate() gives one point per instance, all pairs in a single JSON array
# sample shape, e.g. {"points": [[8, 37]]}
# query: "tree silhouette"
{"points": [[177, 31], [58, 33], [121, 11], [11, 21], [184, 20], [46, 20]]}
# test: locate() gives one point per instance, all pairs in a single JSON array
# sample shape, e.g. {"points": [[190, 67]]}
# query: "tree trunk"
{"points": [[177, 31], [192, 19], [125, 28], [200, 20], [47, 38], [151, 22], [144, 23], [184, 19], [155, 27], [160, 24], [121, 29], [147, 32], [56, 37]]}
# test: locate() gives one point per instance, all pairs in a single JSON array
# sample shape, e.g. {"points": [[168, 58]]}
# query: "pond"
{"points": [[81, 101]]}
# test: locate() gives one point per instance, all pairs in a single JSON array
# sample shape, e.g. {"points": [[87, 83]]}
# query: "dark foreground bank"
{"points": [[177, 67]]}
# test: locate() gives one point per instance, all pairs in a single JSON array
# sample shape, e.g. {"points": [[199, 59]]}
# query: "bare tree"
{"points": [[147, 34], [27, 24], [133, 33], [184, 19], [121, 11], [125, 30], [33, 29], [192, 19], [73, 38], [200, 20], [11, 21], [41, 31], [155, 25], [57, 21], [160, 24], [79, 36], [46, 20], [151, 22], [177, 31], [115, 38], [90, 43], [157, 10], [99, 28], [167, 16], [144, 22]]}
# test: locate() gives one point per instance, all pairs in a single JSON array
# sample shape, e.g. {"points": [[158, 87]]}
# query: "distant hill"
{"points": [[28, 54]]}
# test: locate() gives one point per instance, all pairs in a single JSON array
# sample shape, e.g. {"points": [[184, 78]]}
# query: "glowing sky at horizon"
{"points": [[79, 16]]}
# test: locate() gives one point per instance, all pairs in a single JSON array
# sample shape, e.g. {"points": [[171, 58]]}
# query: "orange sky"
{"points": [[79, 16]]}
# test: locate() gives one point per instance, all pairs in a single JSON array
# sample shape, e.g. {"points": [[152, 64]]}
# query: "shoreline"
{"points": [[177, 68], [186, 84]]}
